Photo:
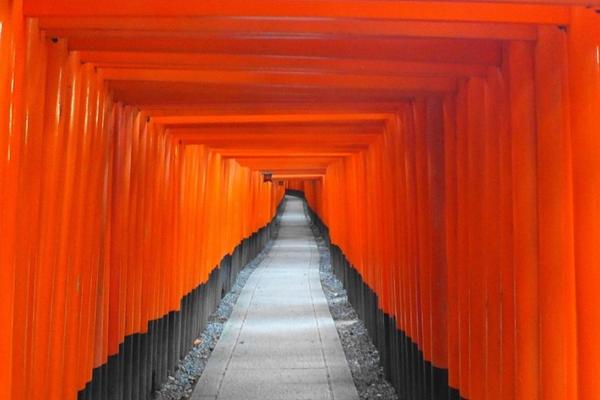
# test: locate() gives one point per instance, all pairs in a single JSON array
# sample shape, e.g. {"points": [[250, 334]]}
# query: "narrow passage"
{"points": [[280, 341]]}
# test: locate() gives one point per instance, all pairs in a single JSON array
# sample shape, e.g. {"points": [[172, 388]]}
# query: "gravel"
{"points": [[181, 384], [362, 356]]}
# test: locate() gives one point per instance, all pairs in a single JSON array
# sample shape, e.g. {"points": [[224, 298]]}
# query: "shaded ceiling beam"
{"points": [[460, 51], [286, 165], [274, 140], [337, 107], [234, 62], [282, 165], [277, 166], [283, 79], [269, 118], [230, 132], [240, 148], [300, 175], [296, 171], [585, 3], [340, 147], [328, 146], [300, 27], [242, 154], [146, 94], [370, 9]]}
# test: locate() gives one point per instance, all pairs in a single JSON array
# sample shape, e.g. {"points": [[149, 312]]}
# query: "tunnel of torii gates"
{"points": [[451, 149]]}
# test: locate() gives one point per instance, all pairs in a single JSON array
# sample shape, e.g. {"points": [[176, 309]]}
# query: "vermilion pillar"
{"points": [[558, 379], [438, 280], [12, 72], [476, 268], [494, 124], [7, 201], [462, 232], [525, 235], [584, 89], [506, 243], [451, 235]]}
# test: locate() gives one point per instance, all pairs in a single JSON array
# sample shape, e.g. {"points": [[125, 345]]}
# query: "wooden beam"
{"points": [[144, 94], [266, 118], [337, 107], [439, 50], [143, 60], [298, 27], [283, 79], [359, 9]]}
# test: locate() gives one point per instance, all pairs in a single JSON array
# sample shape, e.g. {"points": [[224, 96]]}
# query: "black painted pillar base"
{"points": [[404, 365], [145, 360]]}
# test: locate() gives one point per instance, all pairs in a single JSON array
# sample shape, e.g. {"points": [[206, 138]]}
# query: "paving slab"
{"points": [[280, 342]]}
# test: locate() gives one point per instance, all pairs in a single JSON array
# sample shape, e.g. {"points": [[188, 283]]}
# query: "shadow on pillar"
{"points": [[145, 360], [405, 368]]}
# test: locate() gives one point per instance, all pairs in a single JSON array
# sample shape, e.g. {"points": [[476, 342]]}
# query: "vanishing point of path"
{"points": [[280, 342]]}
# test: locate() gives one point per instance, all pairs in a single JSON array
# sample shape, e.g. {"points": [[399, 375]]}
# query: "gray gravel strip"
{"points": [[180, 385], [362, 356]]}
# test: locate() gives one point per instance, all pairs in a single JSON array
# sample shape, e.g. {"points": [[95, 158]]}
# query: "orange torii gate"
{"points": [[451, 148]]}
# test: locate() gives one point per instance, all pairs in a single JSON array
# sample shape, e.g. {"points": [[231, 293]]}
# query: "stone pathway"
{"points": [[280, 342]]}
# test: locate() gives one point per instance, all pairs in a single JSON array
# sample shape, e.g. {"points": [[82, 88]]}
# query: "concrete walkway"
{"points": [[280, 341]]}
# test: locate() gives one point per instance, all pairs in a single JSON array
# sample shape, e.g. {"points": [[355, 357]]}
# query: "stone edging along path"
{"points": [[363, 358], [181, 384]]}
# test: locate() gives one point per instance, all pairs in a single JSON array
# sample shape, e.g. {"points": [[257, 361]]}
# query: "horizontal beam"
{"points": [[306, 166], [283, 79], [267, 154], [359, 9], [584, 3], [284, 147], [460, 51], [279, 147], [268, 118], [270, 130], [328, 146], [298, 176], [275, 163], [312, 171], [338, 107], [234, 62], [298, 27], [279, 144], [144, 94]]}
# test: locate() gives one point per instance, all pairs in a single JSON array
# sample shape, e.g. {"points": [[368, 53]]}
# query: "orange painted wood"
{"points": [[558, 354], [506, 241], [12, 56], [525, 234], [476, 269], [426, 10], [494, 128], [584, 83], [234, 26], [463, 241], [451, 235], [438, 280], [450, 147]]}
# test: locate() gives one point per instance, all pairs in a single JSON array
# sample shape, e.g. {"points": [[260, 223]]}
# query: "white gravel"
{"points": [[362, 356], [180, 385]]}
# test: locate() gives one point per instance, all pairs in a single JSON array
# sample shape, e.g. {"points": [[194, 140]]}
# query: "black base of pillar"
{"points": [[405, 367], [145, 360]]}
